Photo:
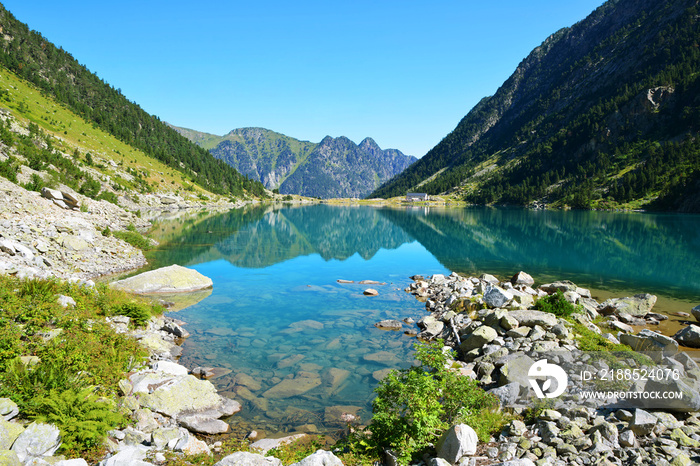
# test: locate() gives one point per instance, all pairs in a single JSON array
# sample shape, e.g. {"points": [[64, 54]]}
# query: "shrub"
{"points": [[8, 169], [90, 187], [82, 417], [109, 197], [556, 304], [134, 238], [414, 406], [35, 183], [137, 312]]}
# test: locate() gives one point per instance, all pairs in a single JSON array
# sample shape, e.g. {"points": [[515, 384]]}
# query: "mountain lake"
{"points": [[297, 348]]}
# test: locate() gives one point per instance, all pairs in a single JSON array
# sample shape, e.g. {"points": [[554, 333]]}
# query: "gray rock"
{"points": [[696, 312], [172, 279], [51, 194], [267, 444], [66, 301], [128, 456], [507, 394], [9, 431], [657, 345], [438, 462], [244, 458], [458, 441], [175, 329], [627, 439], [160, 438], [517, 462], [37, 440], [73, 462], [688, 336], [7, 247], [497, 297], [488, 278], [522, 278], [8, 408], [642, 422], [203, 424], [430, 326], [637, 305], [478, 338], [9, 458], [688, 403], [529, 318], [320, 458], [170, 367], [389, 324], [515, 369], [562, 285]]}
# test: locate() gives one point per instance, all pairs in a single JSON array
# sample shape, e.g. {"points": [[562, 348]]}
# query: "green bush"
{"points": [[9, 168], [414, 406], [138, 313], [109, 197], [134, 238], [555, 304], [35, 183], [90, 187]]}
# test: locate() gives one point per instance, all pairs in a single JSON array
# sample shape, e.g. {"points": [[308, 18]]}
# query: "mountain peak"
{"points": [[369, 144]]}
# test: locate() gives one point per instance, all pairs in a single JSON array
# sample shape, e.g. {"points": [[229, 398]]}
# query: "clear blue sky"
{"points": [[403, 72]]}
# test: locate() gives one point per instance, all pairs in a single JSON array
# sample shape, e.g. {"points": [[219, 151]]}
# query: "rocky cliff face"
{"points": [[338, 167], [335, 167]]}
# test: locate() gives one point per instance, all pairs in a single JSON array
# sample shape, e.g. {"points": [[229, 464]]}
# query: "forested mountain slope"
{"points": [[55, 72], [605, 113]]}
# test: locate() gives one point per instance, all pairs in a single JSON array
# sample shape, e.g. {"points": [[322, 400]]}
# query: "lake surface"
{"points": [[291, 343]]}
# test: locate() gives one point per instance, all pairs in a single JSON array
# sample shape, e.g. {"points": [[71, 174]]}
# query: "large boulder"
{"points": [[268, 444], [688, 336], [529, 318], [172, 279], [637, 305], [659, 346], [320, 458], [515, 368], [522, 278], [9, 458], [478, 338], [8, 408], [244, 458], [458, 441], [174, 395], [496, 296], [9, 431], [37, 440], [696, 312]]}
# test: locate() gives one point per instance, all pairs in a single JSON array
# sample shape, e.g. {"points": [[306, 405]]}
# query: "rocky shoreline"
{"points": [[498, 337], [169, 405], [42, 236]]}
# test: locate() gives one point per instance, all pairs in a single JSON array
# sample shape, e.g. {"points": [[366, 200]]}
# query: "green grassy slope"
{"points": [[57, 73]]}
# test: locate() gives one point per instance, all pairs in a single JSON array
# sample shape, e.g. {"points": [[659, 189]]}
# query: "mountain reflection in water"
{"points": [[297, 348]]}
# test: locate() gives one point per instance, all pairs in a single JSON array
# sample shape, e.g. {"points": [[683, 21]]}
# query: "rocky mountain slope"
{"points": [[602, 114], [335, 167]]}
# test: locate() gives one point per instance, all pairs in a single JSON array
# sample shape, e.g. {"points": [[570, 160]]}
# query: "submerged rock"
{"points": [[637, 305], [172, 279], [244, 458]]}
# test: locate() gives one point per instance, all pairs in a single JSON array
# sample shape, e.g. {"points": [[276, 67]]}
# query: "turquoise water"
{"points": [[290, 342]]}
